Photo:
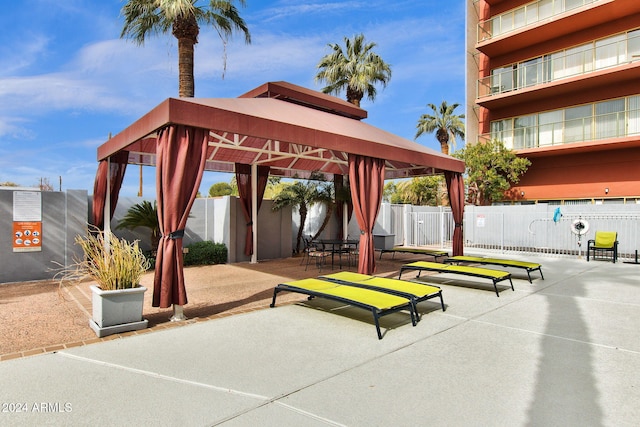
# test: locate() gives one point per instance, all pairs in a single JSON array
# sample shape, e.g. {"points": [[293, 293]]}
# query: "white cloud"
{"points": [[21, 54], [296, 8], [269, 54], [11, 126]]}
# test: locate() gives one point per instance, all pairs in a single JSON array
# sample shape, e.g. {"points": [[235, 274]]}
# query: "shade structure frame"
{"points": [[292, 130]]}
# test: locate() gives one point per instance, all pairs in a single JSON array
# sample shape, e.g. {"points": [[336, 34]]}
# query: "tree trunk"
{"points": [[327, 217], [186, 30], [354, 96], [443, 137], [186, 84], [303, 219]]}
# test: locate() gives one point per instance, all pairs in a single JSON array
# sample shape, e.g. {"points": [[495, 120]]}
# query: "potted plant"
{"points": [[116, 266]]}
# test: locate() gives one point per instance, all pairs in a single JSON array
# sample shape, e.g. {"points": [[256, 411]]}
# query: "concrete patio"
{"points": [[561, 351]]}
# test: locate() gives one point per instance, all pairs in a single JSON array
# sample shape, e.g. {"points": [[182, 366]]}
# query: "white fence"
{"points": [[522, 228]]}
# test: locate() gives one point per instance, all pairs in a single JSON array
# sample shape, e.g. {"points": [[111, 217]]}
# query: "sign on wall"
{"points": [[27, 221], [480, 220]]}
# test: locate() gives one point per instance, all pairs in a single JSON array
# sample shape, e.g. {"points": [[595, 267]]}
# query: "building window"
{"points": [[610, 119], [525, 132], [577, 123], [502, 130], [502, 79], [530, 72], [634, 115], [633, 45], [550, 128], [610, 51]]}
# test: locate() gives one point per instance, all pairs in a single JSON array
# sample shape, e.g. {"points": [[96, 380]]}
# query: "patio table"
{"points": [[339, 246]]}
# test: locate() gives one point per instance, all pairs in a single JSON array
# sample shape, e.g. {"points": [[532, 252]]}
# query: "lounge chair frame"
{"points": [[366, 283], [361, 303], [417, 251], [528, 266], [483, 273]]}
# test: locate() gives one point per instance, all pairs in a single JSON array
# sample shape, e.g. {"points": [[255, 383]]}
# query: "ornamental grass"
{"points": [[111, 262]]}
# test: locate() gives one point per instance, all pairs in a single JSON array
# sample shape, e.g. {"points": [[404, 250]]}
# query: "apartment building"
{"points": [[558, 81]]}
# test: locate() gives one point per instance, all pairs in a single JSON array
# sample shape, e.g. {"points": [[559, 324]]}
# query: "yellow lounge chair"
{"points": [[528, 266], [379, 303], [494, 275], [417, 251], [416, 292]]}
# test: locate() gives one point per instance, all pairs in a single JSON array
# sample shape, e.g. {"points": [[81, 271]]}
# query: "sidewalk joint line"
{"points": [[162, 376], [556, 336]]}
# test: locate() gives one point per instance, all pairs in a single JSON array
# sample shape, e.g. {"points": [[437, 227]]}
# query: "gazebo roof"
{"points": [[293, 130]]}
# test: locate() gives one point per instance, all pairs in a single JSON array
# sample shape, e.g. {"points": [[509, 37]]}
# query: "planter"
{"points": [[117, 311], [384, 241]]}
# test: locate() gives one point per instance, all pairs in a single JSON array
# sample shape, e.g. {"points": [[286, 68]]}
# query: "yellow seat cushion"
{"points": [[379, 300], [605, 239], [348, 276]]}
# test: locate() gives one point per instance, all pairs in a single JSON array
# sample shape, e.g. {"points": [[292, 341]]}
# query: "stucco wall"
{"points": [[64, 215]]}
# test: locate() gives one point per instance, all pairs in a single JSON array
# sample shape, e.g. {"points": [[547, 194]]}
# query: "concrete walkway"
{"points": [[564, 351]]}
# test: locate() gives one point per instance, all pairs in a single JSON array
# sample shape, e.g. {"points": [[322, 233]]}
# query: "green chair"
{"points": [[605, 241]]}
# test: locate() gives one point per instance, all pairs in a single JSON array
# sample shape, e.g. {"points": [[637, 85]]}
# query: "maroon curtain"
{"points": [[181, 155], [455, 187], [366, 176], [338, 186], [243, 179], [118, 167]]}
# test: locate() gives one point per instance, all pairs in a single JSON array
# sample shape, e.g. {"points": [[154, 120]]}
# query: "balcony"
{"points": [[545, 20], [520, 17], [613, 60], [584, 133], [618, 77]]}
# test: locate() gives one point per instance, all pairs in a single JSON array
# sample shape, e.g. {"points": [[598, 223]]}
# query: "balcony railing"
{"points": [[560, 65], [618, 124], [528, 14]]}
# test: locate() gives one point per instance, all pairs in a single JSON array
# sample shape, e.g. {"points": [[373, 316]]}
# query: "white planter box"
{"points": [[117, 311]]}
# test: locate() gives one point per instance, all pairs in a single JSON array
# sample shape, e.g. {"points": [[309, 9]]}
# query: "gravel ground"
{"points": [[42, 314]]}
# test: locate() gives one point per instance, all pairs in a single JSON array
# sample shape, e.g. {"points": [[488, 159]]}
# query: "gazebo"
{"points": [[276, 129]]}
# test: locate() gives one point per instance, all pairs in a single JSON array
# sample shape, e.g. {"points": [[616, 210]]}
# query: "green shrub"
{"points": [[206, 253]]}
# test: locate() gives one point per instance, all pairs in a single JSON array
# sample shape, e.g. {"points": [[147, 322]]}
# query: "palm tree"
{"points": [[143, 214], [356, 69], [183, 17], [324, 196], [444, 122], [302, 196]]}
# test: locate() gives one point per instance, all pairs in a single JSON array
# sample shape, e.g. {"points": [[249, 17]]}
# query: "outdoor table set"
{"points": [[340, 247]]}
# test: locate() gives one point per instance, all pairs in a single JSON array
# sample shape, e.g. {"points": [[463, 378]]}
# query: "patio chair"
{"points": [[315, 251], [305, 250], [605, 241]]}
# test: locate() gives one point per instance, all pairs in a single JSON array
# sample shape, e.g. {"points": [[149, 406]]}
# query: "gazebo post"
{"points": [[107, 210], [345, 221], [254, 211], [178, 313]]}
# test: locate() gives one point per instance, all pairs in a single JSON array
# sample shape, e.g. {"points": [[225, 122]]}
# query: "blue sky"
{"points": [[67, 80]]}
